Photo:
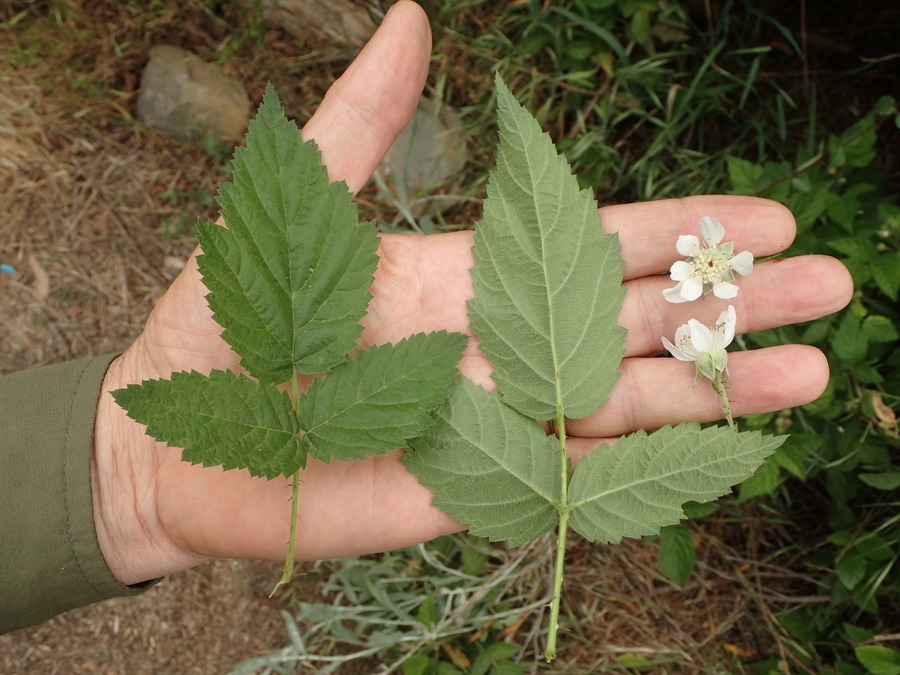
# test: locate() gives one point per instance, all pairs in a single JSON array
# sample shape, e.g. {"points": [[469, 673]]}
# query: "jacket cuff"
{"points": [[50, 559]]}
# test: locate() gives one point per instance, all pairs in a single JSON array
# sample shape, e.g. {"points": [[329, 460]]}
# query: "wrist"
{"points": [[124, 471]]}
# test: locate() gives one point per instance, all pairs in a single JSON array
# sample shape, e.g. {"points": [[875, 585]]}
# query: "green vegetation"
{"points": [[651, 100]]}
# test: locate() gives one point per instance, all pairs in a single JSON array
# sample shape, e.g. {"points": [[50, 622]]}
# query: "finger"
{"points": [[371, 103], [777, 293], [648, 231], [654, 392]]}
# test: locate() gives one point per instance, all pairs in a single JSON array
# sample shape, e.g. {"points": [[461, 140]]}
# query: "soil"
{"points": [[97, 222]]}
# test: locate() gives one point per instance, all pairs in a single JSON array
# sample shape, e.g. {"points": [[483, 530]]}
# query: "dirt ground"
{"points": [[96, 218], [203, 621], [96, 214]]}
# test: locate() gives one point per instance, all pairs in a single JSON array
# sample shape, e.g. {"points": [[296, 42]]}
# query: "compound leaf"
{"points": [[380, 398], [489, 466], [222, 420], [638, 485], [548, 282], [289, 277]]}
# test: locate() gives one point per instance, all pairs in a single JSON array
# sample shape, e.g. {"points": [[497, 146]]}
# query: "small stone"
{"points": [[188, 99], [428, 152], [341, 20]]}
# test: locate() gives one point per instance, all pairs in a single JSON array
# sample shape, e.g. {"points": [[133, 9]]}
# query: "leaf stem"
{"points": [[560, 428], [288, 572]]}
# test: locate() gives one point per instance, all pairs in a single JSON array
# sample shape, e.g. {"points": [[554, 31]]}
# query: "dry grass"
{"points": [[202, 621], [85, 186], [622, 609]]}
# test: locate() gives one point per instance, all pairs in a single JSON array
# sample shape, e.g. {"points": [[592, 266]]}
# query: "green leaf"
{"points": [[474, 560], [428, 613], [886, 273], [639, 27], [889, 480], [879, 329], [677, 555], [856, 247], [289, 278], [850, 343], [879, 660], [694, 510], [489, 466], [858, 633], [417, 665], [223, 420], [380, 398], [885, 105], [547, 280], [851, 568], [746, 177], [762, 483], [495, 654], [638, 485]]}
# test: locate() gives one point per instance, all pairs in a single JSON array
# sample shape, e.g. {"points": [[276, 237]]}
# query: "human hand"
{"points": [[156, 514]]}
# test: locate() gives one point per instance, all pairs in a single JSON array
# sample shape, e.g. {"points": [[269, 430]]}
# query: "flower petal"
{"points": [[742, 263], [711, 230], [683, 339], [725, 290], [676, 352], [691, 289], [674, 294], [727, 320], [680, 271], [687, 245], [701, 336]]}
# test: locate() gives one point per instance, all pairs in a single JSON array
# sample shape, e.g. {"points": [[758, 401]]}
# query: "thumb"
{"points": [[371, 103]]}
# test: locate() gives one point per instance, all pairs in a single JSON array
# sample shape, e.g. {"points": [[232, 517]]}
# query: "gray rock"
{"points": [[429, 151], [341, 20], [189, 99]]}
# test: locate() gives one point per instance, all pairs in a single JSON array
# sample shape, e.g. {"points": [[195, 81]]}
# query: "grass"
{"points": [[647, 99]]}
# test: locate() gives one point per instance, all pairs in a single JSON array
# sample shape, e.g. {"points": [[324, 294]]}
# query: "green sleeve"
{"points": [[50, 560]]}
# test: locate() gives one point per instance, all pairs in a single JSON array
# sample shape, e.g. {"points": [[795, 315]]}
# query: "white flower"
{"points": [[704, 345], [709, 267]]}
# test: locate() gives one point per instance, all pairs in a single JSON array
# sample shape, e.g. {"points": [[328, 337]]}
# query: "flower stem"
{"points": [[560, 427], [719, 387]]}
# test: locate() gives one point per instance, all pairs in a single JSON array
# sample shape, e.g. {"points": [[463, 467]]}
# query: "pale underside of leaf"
{"points": [[381, 398], [489, 467], [639, 484], [222, 420], [289, 278], [547, 280]]}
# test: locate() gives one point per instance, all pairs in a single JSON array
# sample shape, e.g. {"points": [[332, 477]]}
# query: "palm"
{"points": [[421, 285]]}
